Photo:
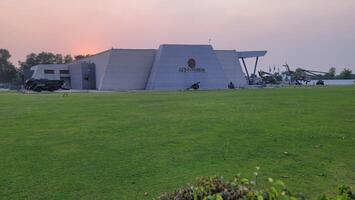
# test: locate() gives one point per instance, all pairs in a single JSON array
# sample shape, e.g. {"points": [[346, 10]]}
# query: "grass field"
{"points": [[120, 145]]}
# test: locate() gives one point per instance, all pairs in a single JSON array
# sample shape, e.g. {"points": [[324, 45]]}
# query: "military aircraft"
{"points": [[301, 75], [269, 78]]}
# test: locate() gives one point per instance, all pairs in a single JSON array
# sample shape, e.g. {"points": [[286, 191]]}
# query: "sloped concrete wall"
{"points": [[166, 73], [76, 76], [101, 62], [128, 69], [232, 67]]}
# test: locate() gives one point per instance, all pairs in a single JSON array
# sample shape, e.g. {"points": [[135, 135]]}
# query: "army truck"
{"points": [[39, 85]]}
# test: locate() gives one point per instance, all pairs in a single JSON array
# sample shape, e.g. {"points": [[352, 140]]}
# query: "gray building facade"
{"points": [[171, 67]]}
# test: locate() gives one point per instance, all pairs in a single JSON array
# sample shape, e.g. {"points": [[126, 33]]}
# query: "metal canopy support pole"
{"points": [[246, 70], [256, 64]]}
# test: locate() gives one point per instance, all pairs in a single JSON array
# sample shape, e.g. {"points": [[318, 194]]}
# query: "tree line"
{"points": [[11, 74], [344, 74]]}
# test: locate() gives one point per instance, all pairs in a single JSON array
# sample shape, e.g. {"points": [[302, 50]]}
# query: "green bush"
{"points": [[216, 188]]}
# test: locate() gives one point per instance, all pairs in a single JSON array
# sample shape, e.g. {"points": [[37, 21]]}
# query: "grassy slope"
{"points": [[120, 145]]}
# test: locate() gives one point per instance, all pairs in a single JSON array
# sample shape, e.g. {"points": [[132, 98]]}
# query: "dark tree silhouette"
{"points": [[78, 57], [346, 74], [8, 72], [44, 58]]}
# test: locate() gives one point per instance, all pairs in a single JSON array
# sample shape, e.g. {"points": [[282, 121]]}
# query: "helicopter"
{"points": [[303, 75], [269, 78]]}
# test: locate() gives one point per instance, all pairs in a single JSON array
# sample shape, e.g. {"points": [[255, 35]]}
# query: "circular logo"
{"points": [[191, 63]]}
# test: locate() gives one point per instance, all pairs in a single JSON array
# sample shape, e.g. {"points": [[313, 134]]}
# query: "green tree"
{"points": [[8, 72], [346, 74], [31, 60], [78, 57], [331, 73], [44, 58], [68, 59], [59, 59]]}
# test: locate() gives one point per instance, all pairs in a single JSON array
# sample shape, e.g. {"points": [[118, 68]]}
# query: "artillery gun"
{"points": [[194, 86], [231, 85], [39, 85]]}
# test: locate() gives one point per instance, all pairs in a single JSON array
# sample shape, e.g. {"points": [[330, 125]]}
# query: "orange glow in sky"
{"points": [[87, 49], [311, 33]]}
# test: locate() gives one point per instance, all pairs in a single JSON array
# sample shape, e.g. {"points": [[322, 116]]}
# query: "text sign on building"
{"points": [[191, 63]]}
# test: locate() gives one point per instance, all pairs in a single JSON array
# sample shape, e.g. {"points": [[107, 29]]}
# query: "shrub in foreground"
{"points": [[216, 188]]}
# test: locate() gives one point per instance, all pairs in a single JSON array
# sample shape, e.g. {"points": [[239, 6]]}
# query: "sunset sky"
{"points": [[314, 34]]}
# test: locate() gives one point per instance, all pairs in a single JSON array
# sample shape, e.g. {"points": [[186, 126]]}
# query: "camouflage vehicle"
{"points": [[39, 85]]}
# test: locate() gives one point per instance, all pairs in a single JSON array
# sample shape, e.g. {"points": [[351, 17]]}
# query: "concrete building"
{"points": [[171, 67]]}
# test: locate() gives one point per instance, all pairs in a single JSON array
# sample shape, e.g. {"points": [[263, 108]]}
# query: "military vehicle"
{"points": [[39, 85]]}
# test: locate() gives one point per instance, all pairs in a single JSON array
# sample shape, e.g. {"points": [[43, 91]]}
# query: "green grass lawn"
{"points": [[121, 145]]}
